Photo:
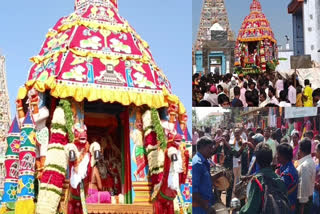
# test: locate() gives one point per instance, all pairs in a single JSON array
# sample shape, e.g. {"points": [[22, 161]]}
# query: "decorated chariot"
{"points": [[97, 128], [256, 48]]}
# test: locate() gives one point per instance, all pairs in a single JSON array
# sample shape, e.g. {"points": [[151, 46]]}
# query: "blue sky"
{"points": [[165, 25], [275, 10]]}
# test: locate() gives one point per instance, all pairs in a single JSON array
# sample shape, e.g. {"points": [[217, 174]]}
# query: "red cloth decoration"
{"points": [[151, 139], [53, 177]]}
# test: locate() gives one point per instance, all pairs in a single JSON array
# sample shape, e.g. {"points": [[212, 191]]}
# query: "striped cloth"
{"points": [[12, 166], [27, 159]]}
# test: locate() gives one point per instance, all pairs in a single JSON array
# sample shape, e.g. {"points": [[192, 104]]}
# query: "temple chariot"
{"points": [[98, 129]]}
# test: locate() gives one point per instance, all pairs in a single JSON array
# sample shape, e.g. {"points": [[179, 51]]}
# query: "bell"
{"points": [[235, 204], [174, 158], [97, 155], [72, 156]]}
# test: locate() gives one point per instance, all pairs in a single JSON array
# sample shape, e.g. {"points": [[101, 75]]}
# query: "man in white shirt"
{"points": [[231, 88], [225, 84], [307, 173], [263, 99], [272, 93], [279, 85], [250, 124], [283, 99], [292, 93], [272, 143]]}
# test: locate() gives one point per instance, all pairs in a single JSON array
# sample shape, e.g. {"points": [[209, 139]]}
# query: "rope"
{"points": [[83, 199]]}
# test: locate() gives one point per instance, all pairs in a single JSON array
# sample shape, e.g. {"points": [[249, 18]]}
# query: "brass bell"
{"points": [[72, 156], [174, 158], [97, 155]]}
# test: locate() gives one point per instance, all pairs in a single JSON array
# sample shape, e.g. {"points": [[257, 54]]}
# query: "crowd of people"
{"points": [[282, 165], [231, 90]]}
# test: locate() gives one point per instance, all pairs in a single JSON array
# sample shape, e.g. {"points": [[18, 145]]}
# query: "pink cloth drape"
{"points": [[94, 196]]}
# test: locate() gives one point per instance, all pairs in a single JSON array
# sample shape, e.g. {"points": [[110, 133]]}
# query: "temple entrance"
{"points": [[105, 127], [252, 47], [108, 125], [217, 63]]}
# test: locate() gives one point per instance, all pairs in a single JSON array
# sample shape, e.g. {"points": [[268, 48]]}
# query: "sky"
{"points": [[275, 10], [164, 24]]}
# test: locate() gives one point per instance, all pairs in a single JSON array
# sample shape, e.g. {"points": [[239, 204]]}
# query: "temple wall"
{"points": [[311, 28], [284, 65], [317, 16]]}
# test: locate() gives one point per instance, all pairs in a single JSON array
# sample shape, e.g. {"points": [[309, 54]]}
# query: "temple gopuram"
{"points": [[4, 117], [213, 49], [256, 48]]}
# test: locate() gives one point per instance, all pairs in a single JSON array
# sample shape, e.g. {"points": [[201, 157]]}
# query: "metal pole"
{"points": [[295, 77]]}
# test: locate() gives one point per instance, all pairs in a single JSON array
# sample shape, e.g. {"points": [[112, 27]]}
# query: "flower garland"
{"points": [[66, 106], [53, 177], [155, 154], [158, 128]]}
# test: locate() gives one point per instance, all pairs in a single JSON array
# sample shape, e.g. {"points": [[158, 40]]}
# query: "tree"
{"points": [[194, 118]]}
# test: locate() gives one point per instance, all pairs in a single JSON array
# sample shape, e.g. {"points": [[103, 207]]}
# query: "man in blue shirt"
{"points": [[288, 173], [202, 187]]}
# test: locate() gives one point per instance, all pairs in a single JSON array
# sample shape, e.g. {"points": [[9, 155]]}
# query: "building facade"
{"points": [[4, 117], [306, 27], [284, 67], [218, 56]]}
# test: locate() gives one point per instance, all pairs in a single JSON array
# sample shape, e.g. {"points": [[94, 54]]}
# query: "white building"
{"points": [[284, 54], [306, 27]]}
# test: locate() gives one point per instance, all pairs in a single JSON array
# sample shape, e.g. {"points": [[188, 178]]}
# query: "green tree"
{"points": [[195, 119]]}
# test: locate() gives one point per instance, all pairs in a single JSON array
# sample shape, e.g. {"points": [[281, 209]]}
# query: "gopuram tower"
{"points": [[213, 11], [4, 117]]}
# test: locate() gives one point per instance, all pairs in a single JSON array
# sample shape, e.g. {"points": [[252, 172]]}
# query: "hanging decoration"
{"points": [[54, 173], [27, 159], [12, 168]]}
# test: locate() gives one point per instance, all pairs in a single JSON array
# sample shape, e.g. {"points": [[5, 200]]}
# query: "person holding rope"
{"points": [[202, 185]]}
